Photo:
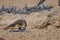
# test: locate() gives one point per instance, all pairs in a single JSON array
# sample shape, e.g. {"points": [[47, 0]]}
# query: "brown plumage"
{"points": [[21, 24]]}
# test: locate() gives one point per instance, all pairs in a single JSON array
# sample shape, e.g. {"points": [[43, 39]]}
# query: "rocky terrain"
{"points": [[43, 25]]}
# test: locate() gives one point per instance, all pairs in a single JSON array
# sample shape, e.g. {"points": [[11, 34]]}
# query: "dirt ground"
{"points": [[37, 27]]}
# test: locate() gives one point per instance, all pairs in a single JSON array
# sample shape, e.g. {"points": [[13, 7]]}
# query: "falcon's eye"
{"points": [[19, 28]]}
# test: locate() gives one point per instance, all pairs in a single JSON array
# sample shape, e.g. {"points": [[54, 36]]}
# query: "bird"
{"points": [[21, 24]]}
